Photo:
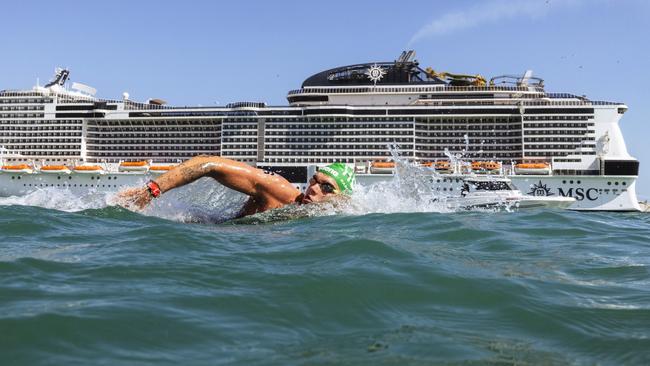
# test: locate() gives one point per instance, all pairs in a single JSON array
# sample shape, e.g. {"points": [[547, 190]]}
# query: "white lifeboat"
{"points": [[19, 168], [133, 166]]}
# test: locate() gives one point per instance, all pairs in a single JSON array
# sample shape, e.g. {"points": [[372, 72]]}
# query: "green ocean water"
{"points": [[389, 277], [106, 286]]}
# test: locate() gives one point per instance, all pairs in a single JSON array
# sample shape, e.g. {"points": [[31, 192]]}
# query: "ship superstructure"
{"points": [[348, 114]]}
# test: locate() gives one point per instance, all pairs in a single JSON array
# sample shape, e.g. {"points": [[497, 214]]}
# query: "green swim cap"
{"points": [[342, 174]]}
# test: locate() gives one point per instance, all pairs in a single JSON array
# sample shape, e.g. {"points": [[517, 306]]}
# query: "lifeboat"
{"points": [[20, 168], [427, 164], [486, 166], [54, 169], [491, 165], [533, 168], [441, 166], [382, 167], [133, 166], [159, 169], [88, 169]]}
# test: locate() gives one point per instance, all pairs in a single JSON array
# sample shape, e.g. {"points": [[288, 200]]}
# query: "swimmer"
{"points": [[266, 190]]}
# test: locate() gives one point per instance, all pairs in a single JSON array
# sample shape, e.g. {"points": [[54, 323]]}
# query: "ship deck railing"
{"points": [[417, 89]]}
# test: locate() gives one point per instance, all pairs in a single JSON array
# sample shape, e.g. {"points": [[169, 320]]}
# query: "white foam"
{"points": [[59, 199], [410, 190]]}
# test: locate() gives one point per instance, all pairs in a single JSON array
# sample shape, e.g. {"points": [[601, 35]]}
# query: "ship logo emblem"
{"points": [[540, 189], [375, 73]]}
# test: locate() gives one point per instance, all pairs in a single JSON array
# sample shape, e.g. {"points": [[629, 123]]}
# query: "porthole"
{"points": [[624, 183], [615, 183], [570, 182], [609, 183], [564, 182], [578, 182]]}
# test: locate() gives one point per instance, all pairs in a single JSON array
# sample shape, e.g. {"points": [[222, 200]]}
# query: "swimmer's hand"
{"points": [[134, 198]]}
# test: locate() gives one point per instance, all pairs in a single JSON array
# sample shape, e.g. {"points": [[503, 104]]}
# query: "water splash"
{"points": [[412, 188], [60, 199]]}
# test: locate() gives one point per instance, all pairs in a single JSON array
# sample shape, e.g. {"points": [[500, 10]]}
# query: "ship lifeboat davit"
{"points": [[382, 167], [133, 166], [533, 168], [54, 169], [20, 168], [88, 169], [160, 169]]}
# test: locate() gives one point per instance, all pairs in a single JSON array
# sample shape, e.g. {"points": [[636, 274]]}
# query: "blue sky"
{"points": [[207, 52]]}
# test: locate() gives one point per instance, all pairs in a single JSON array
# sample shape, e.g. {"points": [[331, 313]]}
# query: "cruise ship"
{"points": [[548, 144]]}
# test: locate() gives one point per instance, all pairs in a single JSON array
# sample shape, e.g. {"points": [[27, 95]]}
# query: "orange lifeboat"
{"points": [[427, 164], [133, 166], [19, 168], [533, 168], [485, 166], [88, 169], [491, 165], [159, 169], [441, 165], [55, 169], [382, 167]]}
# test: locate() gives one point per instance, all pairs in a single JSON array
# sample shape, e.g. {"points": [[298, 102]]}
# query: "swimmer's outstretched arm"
{"points": [[232, 174], [261, 185]]}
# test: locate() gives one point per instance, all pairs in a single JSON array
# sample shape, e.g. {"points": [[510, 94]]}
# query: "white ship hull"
{"points": [[12, 184], [590, 193], [610, 193]]}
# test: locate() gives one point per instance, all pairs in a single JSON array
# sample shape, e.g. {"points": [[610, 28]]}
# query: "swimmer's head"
{"points": [[342, 174], [331, 180]]}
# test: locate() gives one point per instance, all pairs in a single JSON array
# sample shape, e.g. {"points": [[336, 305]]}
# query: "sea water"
{"points": [[387, 277]]}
